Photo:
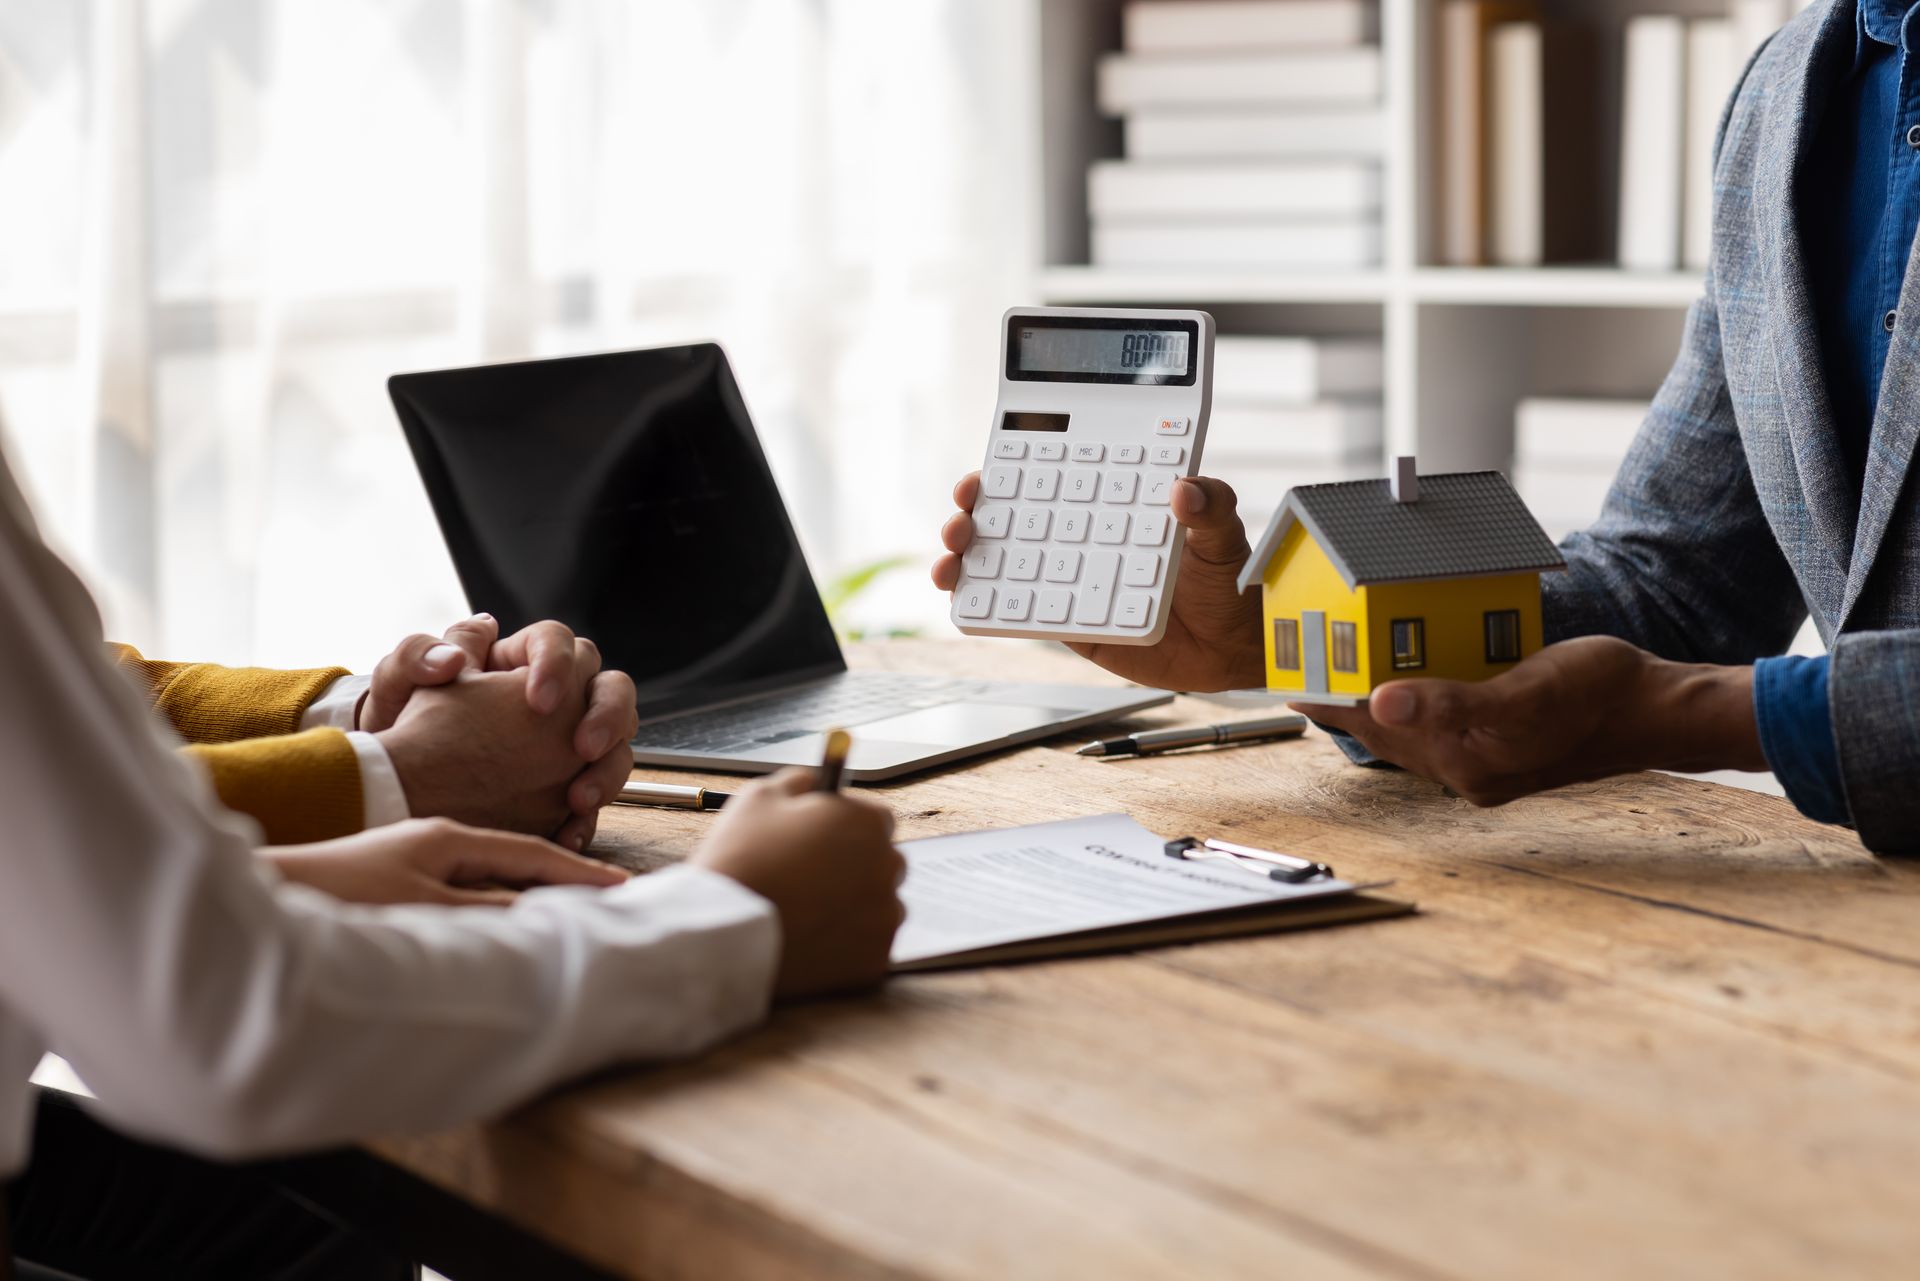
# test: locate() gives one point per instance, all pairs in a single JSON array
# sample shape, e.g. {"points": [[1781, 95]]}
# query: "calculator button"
{"points": [[1128, 453], [1083, 486], [1089, 453], [1072, 525], [1110, 527], [1049, 451], [1063, 565], [1015, 603], [1001, 482], [1134, 610], [1032, 525], [1169, 455], [1173, 426], [983, 560], [1009, 449], [1150, 528], [1052, 606], [1042, 482], [992, 522], [1120, 487], [1096, 596], [1023, 564], [1159, 491], [1143, 570], [974, 601]]}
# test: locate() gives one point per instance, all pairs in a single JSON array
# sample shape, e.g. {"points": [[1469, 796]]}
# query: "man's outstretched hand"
{"points": [[1212, 639], [557, 665], [1580, 710]]}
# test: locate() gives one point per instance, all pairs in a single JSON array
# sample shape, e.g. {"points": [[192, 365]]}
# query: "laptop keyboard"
{"points": [[867, 696]]}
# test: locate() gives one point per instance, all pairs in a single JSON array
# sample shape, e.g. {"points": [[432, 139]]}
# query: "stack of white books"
{"points": [[1254, 131], [1292, 411], [1676, 76], [1566, 453]]}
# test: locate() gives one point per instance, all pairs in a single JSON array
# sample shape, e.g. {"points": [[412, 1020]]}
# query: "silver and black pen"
{"points": [[1167, 740]]}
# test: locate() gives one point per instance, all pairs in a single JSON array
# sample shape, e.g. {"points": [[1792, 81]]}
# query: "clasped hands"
{"points": [[524, 733], [1579, 710], [505, 748]]}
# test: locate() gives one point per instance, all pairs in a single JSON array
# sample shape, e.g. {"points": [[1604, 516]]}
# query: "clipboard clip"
{"points": [[1275, 866]]}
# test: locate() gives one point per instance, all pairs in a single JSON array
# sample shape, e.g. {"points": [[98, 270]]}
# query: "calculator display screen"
{"points": [[1101, 349], [1013, 420]]}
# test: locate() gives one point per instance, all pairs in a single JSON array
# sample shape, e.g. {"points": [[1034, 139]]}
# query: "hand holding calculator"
{"points": [[1100, 411]]}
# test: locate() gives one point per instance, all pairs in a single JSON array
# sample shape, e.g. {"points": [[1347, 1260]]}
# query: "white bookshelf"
{"points": [[1463, 345]]}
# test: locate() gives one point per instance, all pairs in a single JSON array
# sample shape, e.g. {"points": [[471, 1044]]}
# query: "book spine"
{"points": [[1254, 135], [1132, 189], [1516, 206], [1339, 76], [1316, 245], [1461, 134], [1201, 26], [1653, 110], [1571, 226]]}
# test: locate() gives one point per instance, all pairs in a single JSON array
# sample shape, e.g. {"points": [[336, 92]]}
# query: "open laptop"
{"points": [[627, 495]]}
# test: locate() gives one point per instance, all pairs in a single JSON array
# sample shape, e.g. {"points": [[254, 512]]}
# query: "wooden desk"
{"points": [[1646, 1028]]}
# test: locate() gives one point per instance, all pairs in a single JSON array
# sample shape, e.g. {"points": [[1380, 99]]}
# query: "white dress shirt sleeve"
{"points": [[210, 1006], [338, 706], [383, 800]]}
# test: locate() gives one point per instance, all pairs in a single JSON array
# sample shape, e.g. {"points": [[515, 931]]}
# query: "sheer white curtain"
{"points": [[224, 222]]}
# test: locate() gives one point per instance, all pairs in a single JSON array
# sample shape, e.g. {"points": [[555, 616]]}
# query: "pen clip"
{"points": [[1269, 863]]}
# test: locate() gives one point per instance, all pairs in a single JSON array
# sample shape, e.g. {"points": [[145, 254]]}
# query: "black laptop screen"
{"points": [[627, 496]]}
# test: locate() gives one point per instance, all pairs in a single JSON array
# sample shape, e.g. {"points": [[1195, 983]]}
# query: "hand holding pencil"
{"points": [[826, 861]]}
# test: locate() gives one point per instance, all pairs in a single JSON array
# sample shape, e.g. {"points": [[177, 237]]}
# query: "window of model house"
{"points": [[1503, 635], [1286, 644], [1409, 643], [1346, 647]]}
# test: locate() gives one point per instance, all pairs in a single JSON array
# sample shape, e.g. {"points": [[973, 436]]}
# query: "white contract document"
{"points": [[983, 890]]}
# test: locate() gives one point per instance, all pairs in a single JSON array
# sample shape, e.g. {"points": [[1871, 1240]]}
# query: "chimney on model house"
{"points": [[1405, 481]]}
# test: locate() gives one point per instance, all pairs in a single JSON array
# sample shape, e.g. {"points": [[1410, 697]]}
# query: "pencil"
{"points": [[833, 759]]}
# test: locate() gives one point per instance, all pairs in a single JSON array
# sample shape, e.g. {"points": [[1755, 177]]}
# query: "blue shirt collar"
{"points": [[1881, 21]]}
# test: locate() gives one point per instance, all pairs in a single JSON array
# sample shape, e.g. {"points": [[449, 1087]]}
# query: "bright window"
{"points": [[212, 257], [1409, 643]]}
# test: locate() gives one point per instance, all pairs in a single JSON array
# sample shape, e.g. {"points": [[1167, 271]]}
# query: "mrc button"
{"points": [[1172, 426]]}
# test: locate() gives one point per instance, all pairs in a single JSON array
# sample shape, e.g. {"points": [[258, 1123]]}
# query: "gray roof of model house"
{"points": [[1462, 524]]}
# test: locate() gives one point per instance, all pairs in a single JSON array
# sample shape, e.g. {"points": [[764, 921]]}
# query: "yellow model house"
{"points": [[1367, 581]]}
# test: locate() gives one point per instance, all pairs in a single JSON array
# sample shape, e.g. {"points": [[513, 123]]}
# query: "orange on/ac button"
{"points": [[1173, 426]]}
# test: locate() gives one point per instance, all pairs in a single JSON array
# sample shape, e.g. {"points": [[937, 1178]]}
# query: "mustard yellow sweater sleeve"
{"points": [[242, 720]]}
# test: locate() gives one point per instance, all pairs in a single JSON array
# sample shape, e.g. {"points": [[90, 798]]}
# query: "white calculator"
{"points": [[1100, 411]]}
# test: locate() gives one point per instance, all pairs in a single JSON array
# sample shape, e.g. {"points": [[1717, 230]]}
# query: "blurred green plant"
{"points": [[843, 590]]}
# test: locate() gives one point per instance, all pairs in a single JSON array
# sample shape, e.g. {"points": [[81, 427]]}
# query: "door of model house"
{"points": [[1313, 649]]}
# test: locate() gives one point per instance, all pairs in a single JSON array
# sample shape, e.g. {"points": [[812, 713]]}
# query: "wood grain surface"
{"points": [[1650, 1027]]}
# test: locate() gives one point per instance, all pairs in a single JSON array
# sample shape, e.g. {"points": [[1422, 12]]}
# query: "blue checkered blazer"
{"points": [[1733, 516]]}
